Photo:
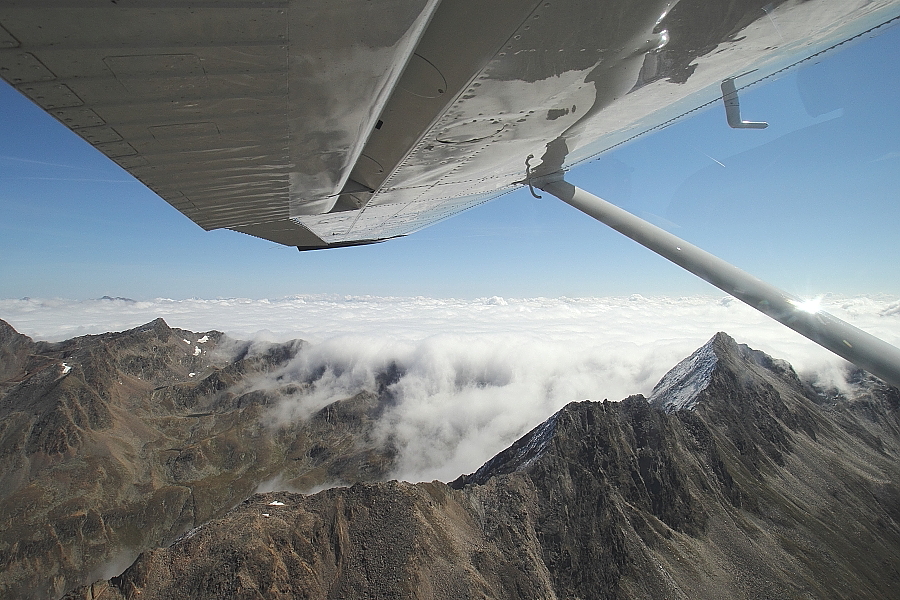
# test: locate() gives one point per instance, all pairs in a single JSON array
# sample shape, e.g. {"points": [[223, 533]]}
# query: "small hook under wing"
{"points": [[733, 108], [528, 175]]}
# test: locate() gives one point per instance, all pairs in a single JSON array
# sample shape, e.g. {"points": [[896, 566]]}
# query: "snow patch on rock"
{"points": [[523, 453], [680, 387]]}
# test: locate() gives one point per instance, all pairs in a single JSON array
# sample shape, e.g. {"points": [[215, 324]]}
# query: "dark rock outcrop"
{"points": [[739, 482]]}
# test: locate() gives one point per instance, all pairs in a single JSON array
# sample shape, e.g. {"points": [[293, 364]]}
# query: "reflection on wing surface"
{"points": [[320, 124]]}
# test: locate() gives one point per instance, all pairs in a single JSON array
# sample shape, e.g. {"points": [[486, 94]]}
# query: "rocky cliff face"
{"points": [[735, 480], [116, 443]]}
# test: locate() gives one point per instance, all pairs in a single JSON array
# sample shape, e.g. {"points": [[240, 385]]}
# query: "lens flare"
{"points": [[812, 305]]}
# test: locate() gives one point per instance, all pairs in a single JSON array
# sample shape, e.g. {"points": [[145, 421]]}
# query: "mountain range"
{"points": [[138, 465]]}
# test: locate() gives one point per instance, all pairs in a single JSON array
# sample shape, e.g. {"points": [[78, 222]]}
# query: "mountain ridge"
{"points": [[114, 443], [745, 483]]}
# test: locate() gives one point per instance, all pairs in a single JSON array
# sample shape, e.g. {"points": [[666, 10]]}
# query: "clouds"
{"points": [[455, 400], [462, 399], [632, 340], [469, 377]]}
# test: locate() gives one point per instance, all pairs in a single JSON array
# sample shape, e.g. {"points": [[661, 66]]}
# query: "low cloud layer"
{"points": [[474, 375]]}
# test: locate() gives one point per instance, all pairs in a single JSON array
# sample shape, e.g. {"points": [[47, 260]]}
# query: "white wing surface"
{"points": [[323, 123]]}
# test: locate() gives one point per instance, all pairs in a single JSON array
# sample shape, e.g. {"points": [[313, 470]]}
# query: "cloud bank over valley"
{"points": [[466, 377]]}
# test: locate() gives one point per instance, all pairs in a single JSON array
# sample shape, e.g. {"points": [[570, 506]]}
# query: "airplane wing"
{"points": [[323, 123]]}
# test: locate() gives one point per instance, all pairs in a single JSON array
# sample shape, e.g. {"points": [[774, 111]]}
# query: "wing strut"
{"points": [[845, 340]]}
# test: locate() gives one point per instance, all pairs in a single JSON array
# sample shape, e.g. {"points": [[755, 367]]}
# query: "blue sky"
{"points": [[810, 204]]}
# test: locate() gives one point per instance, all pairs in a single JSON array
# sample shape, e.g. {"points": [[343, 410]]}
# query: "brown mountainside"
{"points": [[112, 444], [736, 480]]}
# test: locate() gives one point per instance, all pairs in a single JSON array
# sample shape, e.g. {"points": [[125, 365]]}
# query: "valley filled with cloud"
{"points": [[467, 377]]}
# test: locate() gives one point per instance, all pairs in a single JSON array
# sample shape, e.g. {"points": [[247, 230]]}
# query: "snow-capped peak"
{"points": [[679, 388]]}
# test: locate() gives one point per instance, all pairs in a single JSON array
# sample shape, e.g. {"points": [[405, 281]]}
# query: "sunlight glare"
{"points": [[812, 305]]}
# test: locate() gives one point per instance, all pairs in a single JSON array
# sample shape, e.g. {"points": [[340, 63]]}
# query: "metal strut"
{"points": [[862, 349]]}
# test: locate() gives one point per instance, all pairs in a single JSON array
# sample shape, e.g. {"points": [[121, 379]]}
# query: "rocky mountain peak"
{"points": [[734, 480], [14, 349], [683, 387], [734, 371], [8, 334], [679, 389], [118, 442], [157, 325]]}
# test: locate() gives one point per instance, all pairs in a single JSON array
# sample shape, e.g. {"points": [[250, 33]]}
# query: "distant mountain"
{"points": [[112, 444], [734, 480]]}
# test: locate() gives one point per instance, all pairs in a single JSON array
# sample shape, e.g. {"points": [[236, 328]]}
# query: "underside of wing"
{"points": [[323, 124]]}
